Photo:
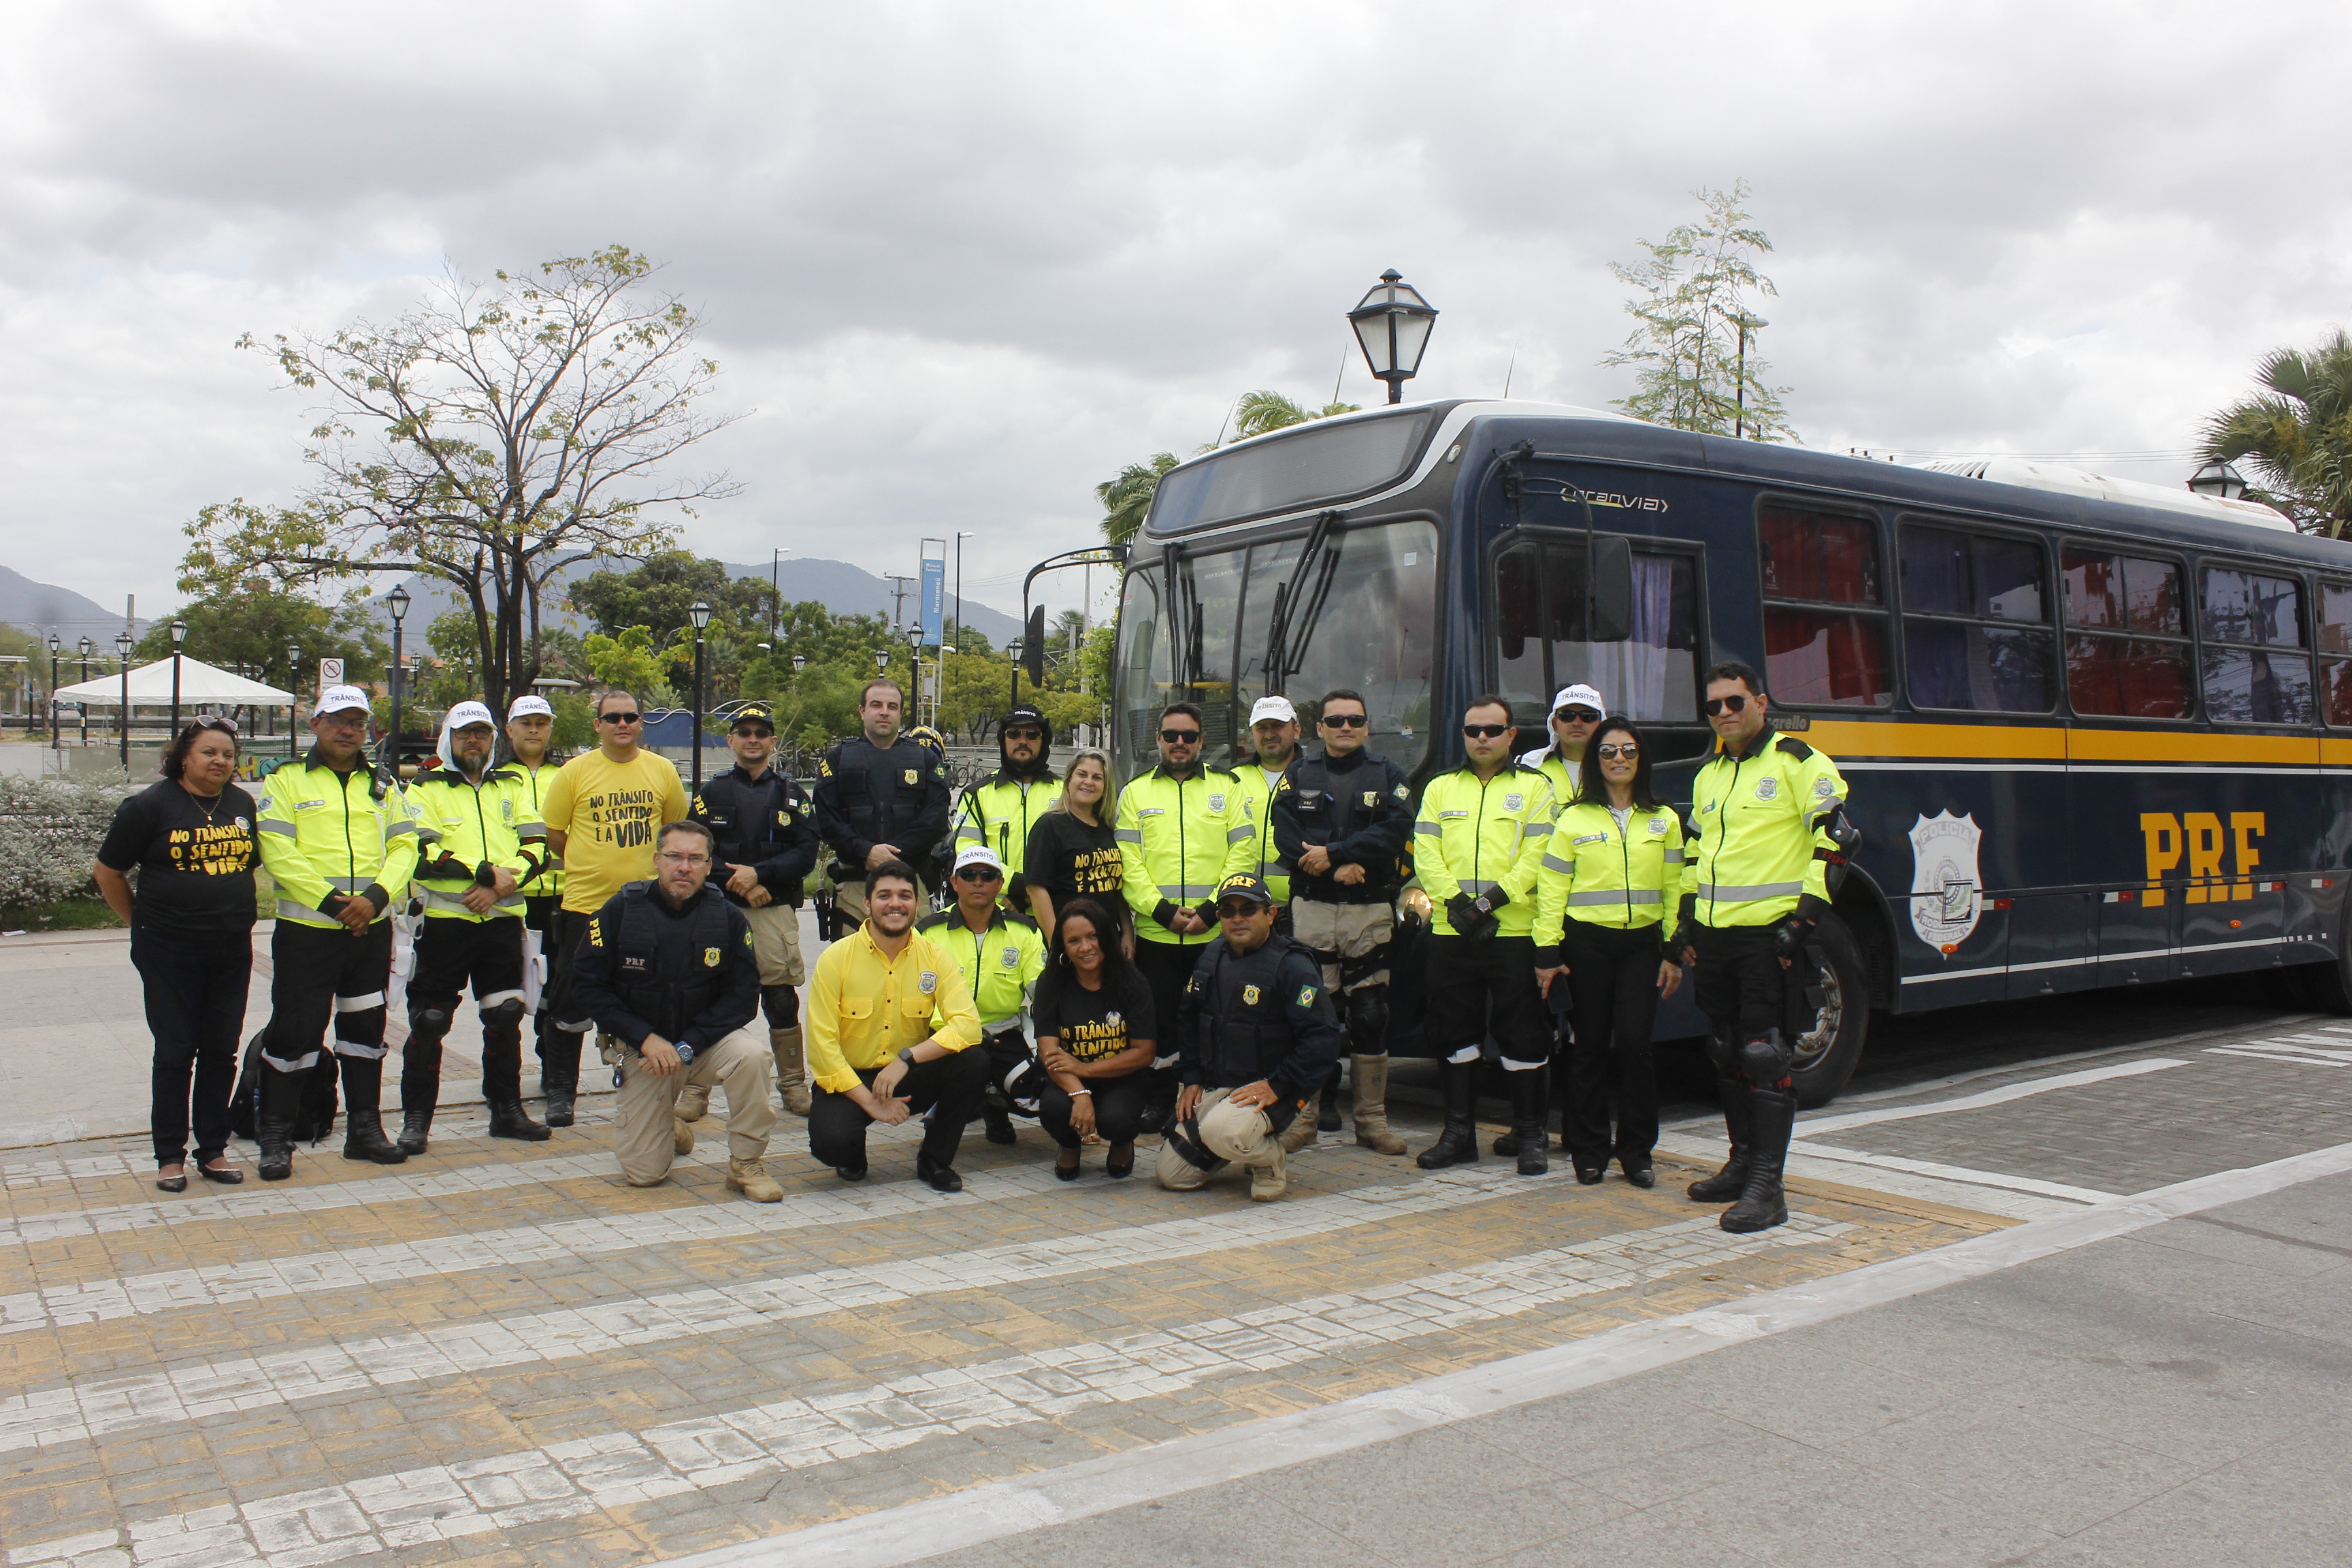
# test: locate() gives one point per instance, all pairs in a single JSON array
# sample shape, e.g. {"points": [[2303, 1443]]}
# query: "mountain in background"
{"points": [[843, 589], [43, 608]]}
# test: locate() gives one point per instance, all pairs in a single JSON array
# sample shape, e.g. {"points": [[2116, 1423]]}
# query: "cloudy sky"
{"points": [[960, 263]]}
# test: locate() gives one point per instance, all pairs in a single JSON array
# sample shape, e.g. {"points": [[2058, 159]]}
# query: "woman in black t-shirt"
{"points": [[190, 837], [1093, 1011], [1072, 852]]}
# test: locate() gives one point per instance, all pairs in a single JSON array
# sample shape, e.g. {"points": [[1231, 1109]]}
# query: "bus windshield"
{"points": [[1316, 463], [1365, 618]]}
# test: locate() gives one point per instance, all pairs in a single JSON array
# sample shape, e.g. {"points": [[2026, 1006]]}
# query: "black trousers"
{"points": [[1475, 986], [1167, 968], [195, 990], [1742, 988], [558, 1047], [319, 973], [1612, 987], [949, 1088], [452, 953], [1118, 1108]]}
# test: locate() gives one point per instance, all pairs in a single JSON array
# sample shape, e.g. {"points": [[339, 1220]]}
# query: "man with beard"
{"points": [[477, 844], [998, 814], [880, 798], [871, 1047]]}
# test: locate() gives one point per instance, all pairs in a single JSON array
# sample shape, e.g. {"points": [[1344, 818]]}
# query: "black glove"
{"points": [[1684, 940], [1789, 938], [1473, 918]]}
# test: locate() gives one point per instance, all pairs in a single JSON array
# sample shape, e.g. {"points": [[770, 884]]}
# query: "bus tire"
{"points": [[1827, 1052]]}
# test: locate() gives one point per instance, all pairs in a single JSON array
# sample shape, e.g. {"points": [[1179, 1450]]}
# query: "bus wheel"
{"points": [[1827, 1052]]}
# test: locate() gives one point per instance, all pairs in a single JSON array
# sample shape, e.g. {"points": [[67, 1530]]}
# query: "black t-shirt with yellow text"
{"points": [[1093, 1025], [194, 858]]}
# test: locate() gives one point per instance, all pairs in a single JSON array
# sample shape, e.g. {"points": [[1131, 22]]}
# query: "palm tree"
{"points": [[1128, 497], [1259, 412], [2296, 436]]}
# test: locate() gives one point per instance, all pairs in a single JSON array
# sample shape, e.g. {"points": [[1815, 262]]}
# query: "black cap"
{"points": [[1025, 713], [753, 714], [1245, 885]]}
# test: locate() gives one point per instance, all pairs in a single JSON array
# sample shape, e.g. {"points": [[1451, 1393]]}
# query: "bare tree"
{"points": [[491, 438]]}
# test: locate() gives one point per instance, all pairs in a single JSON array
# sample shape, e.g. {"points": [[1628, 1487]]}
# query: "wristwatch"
{"points": [[684, 1052], [907, 1056]]}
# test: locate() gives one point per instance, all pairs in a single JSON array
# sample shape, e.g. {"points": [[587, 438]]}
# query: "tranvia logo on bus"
{"points": [[1946, 893], [1626, 503]]}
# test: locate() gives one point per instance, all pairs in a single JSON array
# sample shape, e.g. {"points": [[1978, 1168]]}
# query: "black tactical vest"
{"points": [[670, 1003]]}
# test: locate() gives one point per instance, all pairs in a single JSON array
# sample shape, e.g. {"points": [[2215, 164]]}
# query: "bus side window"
{"points": [[1824, 611], [2256, 671], [2127, 652], [1974, 622], [2335, 637]]}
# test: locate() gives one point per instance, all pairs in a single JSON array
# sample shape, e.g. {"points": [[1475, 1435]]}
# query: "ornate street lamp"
{"points": [[2218, 479], [294, 689], [398, 601], [122, 645], [1392, 324], [88, 647], [179, 636], [56, 743], [800, 662], [699, 613]]}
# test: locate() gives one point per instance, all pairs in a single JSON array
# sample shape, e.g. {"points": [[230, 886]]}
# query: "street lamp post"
{"points": [[956, 637], [700, 614], [122, 651], [294, 689], [398, 601], [2219, 480], [56, 742], [84, 703], [1393, 322], [179, 636]]}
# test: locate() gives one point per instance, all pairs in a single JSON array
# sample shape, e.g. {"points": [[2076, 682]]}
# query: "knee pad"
{"points": [[430, 1024], [1185, 1139], [1367, 1020], [1765, 1060], [506, 1012], [782, 1005]]}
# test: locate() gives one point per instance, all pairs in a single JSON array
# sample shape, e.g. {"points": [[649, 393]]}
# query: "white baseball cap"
{"points": [[467, 713], [1582, 696], [337, 699], [978, 855], [1277, 708], [524, 707]]}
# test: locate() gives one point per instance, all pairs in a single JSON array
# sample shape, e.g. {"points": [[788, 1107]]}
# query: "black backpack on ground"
{"points": [[313, 1121]]}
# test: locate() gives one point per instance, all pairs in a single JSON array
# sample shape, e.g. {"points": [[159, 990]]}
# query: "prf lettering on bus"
{"points": [[2200, 835]]}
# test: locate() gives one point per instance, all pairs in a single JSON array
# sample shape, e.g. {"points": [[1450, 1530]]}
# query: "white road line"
{"points": [[885, 1538], [70, 1412], [1888, 1183], [2309, 1061], [1812, 1126], [421, 1507], [1962, 1174]]}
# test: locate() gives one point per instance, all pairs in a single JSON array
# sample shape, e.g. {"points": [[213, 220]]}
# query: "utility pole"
{"points": [[898, 597]]}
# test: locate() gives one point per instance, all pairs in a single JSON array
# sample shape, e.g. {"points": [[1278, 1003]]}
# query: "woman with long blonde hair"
{"points": [[1072, 852]]}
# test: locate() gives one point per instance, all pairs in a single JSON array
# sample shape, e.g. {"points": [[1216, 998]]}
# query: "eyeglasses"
{"points": [[1238, 908], [618, 718], [1628, 751], [1484, 731], [1346, 720], [751, 734], [1577, 716], [979, 874], [675, 858], [1024, 734], [1715, 705], [1179, 737]]}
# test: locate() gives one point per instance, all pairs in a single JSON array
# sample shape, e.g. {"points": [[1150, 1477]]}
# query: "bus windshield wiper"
{"points": [[1282, 657]]}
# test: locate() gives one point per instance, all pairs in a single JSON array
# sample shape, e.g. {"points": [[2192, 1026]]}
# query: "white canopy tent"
{"points": [[202, 685]]}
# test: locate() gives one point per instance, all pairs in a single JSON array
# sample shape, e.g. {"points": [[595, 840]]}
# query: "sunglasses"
{"points": [[1238, 908], [618, 718], [1484, 731], [1628, 752], [1715, 705], [1179, 737], [1024, 734], [1346, 720], [979, 874], [1577, 716]]}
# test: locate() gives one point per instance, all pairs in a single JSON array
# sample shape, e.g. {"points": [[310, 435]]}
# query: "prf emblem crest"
{"points": [[1249, 996], [1946, 892], [710, 958]]}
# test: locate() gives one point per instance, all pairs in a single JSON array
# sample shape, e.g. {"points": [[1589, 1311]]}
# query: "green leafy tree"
{"points": [[635, 663], [1693, 347], [2295, 435], [248, 628], [658, 593], [492, 436]]}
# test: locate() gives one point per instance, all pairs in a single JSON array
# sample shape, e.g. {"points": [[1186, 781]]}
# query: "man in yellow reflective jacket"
{"points": [[1479, 835], [339, 844], [1767, 818]]}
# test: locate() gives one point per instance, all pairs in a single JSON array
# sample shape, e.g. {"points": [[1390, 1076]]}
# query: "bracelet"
{"points": [[1087, 1092]]}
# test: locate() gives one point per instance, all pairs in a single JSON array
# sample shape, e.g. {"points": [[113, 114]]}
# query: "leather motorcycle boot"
{"points": [[502, 1092], [1738, 1119], [275, 1105], [1527, 1120], [363, 1136], [559, 1075], [791, 1070], [1327, 1118], [1373, 1106], [751, 1178], [420, 1079], [1302, 1130], [1457, 1140], [1507, 1143], [510, 1120], [1762, 1205]]}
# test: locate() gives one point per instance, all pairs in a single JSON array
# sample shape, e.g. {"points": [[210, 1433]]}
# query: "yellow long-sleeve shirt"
{"points": [[865, 1007]]}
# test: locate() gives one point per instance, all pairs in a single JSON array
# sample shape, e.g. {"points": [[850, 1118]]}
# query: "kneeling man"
{"points": [[1258, 1035], [668, 971], [873, 1055]]}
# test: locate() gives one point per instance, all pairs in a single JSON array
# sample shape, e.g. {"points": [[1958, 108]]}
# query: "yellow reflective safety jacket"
{"points": [[1565, 777], [999, 815], [1473, 837], [466, 830], [1264, 859], [324, 834], [1756, 830], [999, 964], [1178, 838], [1604, 875], [531, 786]]}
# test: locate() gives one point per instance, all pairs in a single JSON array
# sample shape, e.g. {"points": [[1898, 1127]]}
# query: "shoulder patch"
{"points": [[1794, 746], [1306, 996]]}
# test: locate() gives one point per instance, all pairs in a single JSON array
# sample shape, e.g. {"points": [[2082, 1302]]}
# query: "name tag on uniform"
{"points": [[1589, 838], [1151, 810], [1450, 815]]}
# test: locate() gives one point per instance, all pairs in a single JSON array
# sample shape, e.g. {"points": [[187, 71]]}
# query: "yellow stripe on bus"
{"points": [[2054, 743]]}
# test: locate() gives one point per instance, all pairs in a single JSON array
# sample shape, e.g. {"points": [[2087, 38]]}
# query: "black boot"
{"points": [[1761, 1205], [1327, 1119], [1457, 1141], [363, 1136], [502, 1078], [1000, 1125], [1738, 1121], [510, 1120], [420, 1077], [559, 1075], [1507, 1143], [1527, 1120], [276, 1100]]}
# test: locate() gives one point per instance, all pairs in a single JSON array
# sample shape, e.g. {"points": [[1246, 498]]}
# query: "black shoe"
{"points": [[559, 1108], [1069, 1173], [999, 1125], [1589, 1176], [230, 1176], [1640, 1173], [1115, 1168], [171, 1184], [1506, 1144], [1761, 1203], [942, 1178], [850, 1173], [1457, 1140], [363, 1138], [416, 1131], [510, 1120]]}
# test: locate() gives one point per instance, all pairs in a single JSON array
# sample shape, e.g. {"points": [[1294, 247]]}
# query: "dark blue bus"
{"points": [[2098, 733]]}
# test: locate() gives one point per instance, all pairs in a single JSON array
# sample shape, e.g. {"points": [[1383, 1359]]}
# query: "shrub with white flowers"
{"points": [[50, 833]]}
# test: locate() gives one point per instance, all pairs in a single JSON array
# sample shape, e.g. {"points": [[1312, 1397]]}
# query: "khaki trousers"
{"points": [[776, 945], [1231, 1133], [641, 1137], [1338, 931]]}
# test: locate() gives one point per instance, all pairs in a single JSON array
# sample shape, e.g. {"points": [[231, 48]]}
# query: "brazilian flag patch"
{"points": [[1306, 995]]}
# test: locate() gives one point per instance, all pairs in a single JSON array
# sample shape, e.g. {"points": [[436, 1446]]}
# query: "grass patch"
{"points": [[66, 914]]}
